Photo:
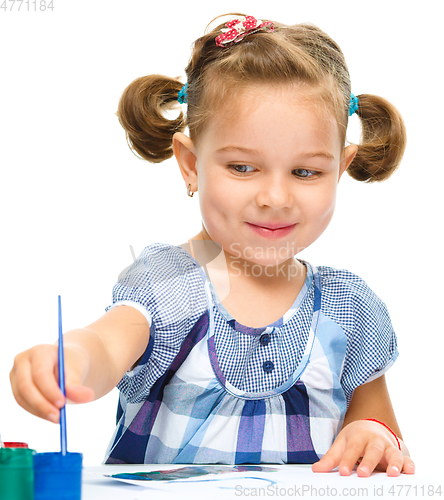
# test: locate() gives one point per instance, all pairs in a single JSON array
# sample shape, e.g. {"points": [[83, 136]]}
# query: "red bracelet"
{"points": [[387, 427]]}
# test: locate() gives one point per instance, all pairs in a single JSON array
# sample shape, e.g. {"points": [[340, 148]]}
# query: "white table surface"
{"points": [[289, 481]]}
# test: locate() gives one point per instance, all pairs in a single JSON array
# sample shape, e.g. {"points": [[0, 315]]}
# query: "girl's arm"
{"points": [[96, 358], [370, 440]]}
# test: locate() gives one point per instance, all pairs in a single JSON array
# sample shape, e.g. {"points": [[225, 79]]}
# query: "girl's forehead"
{"points": [[226, 98], [279, 113]]}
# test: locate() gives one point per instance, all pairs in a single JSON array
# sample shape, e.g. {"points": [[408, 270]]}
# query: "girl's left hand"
{"points": [[371, 441]]}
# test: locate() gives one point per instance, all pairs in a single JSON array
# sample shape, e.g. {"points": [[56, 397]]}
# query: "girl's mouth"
{"points": [[270, 233]]}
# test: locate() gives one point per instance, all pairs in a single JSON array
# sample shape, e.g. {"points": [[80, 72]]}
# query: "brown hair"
{"points": [[301, 54]]}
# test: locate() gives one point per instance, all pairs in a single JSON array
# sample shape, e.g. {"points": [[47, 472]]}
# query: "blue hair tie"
{"points": [[183, 96], [354, 104]]}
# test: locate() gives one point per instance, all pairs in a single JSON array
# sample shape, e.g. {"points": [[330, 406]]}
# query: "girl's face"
{"points": [[267, 175]]}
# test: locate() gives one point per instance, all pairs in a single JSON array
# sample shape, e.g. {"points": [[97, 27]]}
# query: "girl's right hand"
{"points": [[34, 381]]}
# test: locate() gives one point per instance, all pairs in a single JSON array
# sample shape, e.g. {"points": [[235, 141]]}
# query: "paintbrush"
{"points": [[63, 445]]}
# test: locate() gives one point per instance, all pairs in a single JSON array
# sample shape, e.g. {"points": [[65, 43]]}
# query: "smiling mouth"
{"points": [[272, 227], [279, 231]]}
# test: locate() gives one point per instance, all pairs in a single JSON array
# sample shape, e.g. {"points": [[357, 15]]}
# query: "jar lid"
{"points": [[15, 444]]}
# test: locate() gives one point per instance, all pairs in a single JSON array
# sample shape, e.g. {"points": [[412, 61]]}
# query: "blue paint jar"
{"points": [[16, 474], [57, 476]]}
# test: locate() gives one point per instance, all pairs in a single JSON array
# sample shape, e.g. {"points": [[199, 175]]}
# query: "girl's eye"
{"points": [[305, 174], [241, 169], [301, 173]]}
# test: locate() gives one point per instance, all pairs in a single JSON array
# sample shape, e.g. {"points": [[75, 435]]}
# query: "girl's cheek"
{"points": [[320, 203]]}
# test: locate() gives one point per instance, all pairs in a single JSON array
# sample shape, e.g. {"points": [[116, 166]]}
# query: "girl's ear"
{"points": [[185, 153], [348, 155]]}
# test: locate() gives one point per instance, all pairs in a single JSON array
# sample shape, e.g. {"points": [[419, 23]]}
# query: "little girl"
{"points": [[228, 349]]}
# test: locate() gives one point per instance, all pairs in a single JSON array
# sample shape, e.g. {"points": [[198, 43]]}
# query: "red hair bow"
{"points": [[237, 29]]}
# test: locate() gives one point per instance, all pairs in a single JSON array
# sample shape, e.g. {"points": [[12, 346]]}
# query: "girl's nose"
{"points": [[275, 193]]}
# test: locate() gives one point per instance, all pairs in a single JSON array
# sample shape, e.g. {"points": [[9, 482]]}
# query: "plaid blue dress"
{"points": [[211, 390]]}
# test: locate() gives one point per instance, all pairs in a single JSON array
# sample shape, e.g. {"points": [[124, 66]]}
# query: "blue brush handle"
{"points": [[63, 445]]}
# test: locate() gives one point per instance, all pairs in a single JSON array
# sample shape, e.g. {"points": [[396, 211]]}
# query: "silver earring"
{"points": [[189, 192]]}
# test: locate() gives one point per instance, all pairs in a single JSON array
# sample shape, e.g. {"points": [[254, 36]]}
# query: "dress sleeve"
{"points": [[134, 289], [371, 339], [163, 284]]}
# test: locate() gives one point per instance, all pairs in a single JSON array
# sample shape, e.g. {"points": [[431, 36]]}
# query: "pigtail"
{"points": [[141, 113], [383, 140]]}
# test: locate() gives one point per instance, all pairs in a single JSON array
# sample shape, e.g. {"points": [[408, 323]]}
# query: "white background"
{"points": [[74, 197]]}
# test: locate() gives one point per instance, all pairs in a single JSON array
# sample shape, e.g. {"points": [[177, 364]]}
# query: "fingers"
{"points": [[375, 453], [79, 393], [343, 454], [34, 382], [44, 373], [352, 454], [325, 464], [332, 458], [34, 385], [370, 444], [393, 462], [409, 466]]}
